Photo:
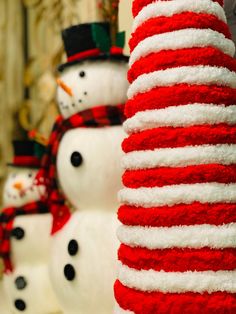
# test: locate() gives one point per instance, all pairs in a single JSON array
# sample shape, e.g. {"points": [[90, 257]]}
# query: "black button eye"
{"points": [[20, 283], [76, 159], [30, 175], [18, 233], [82, 74], [69, 272], [20, 305], [73, 247]]}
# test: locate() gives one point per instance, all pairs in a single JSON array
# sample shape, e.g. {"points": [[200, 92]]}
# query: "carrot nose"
{"points": [[66, 88], [18, 186]]}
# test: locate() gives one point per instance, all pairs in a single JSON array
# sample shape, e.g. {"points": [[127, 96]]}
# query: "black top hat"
{"points": [[91, 41], [27, 154]]}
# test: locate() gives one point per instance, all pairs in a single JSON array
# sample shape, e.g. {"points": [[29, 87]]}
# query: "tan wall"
{"points": [[125, 19]]}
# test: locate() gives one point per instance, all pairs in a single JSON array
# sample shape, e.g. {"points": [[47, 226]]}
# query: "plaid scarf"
{"points": [[7, 217], [100, 116]]}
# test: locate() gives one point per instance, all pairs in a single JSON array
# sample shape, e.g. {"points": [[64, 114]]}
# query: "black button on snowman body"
{"points": [[18, 233], [20, 305], [76, 159], [73, 247], [20, 283], [69, 270]]}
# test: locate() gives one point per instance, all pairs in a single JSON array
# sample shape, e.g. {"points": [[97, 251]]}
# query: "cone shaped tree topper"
{"points": [[178, 251]]}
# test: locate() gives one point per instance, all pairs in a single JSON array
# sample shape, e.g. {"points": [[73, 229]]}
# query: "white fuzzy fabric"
{"points": [[162, 8], [119, 310], [38, 294], [104, 83], [95, 263], [87, 186], [4, 306], [196, 236], [179, 116], [177, 282], [35, 246], [177, 194], [181, 156], [184, 38], [199, 75]]}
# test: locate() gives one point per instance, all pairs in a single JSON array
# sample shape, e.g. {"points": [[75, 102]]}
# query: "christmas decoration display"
{"points": [[178, 212], [81, 169], [25, 235]]}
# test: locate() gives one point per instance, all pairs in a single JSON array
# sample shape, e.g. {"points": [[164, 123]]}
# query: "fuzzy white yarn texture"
{"points": [[180, 116], [162, 8], [192, 75], [184, 38]]}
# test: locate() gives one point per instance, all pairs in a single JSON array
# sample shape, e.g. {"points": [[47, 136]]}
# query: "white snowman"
{"points": [[91, 93], [4, 307], [25, 245]]}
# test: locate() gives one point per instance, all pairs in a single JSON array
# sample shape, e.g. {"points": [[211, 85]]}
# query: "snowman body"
{"points": [[28, 288], [83, 264], [83, 278], [4, 308]]}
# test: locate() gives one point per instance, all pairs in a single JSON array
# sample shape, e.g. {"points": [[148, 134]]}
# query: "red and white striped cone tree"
{"points": [[178, 212]]}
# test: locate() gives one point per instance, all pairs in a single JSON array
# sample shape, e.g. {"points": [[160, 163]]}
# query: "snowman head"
{"points": [[19, 189], [95, 71], [90, 84]]}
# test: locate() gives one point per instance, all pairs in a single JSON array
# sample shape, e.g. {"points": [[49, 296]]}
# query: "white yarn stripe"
{"points": [[181, 156], [178, 116], [206, 75], [177, 282], [119, 310], [196, 236], [184, 38], [162, 8], [178, 194]]}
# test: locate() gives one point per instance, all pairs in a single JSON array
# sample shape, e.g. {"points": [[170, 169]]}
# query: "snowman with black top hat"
{"points": [[82, 165], [25, 235]]}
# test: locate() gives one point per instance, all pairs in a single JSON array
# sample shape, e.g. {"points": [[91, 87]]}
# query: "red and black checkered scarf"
{"points": [[7, 217], [100, 116]]}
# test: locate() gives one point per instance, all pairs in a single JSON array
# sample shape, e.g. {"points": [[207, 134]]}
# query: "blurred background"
{"points": [[30, 50]]}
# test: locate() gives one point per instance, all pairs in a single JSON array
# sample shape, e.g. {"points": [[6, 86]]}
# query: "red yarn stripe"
{"points": [[169, 137], [175, 303], [179, 175], [164, 24], [182, 94], [139, 4], [181, 214], [26, 161], [181, 57], [178, 260]]}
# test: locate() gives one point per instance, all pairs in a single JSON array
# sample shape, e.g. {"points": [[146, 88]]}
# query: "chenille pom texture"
{"points": [[178, 202]]}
